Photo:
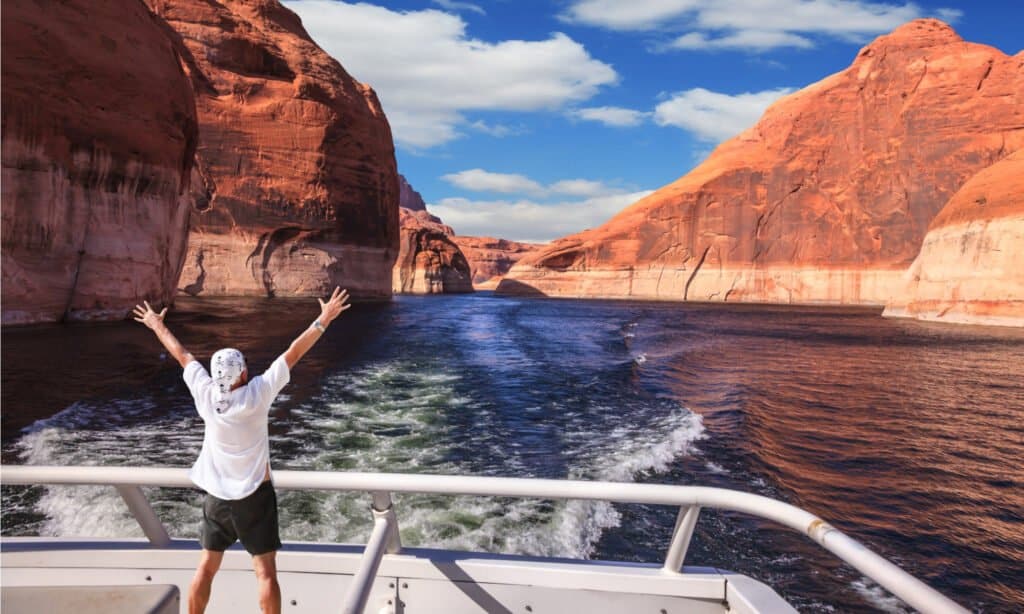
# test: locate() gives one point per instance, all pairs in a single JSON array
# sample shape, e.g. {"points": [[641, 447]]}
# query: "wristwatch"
{"points": [[320, 327]]}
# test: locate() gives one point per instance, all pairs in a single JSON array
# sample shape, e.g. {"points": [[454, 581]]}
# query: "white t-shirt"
{"points": [[235, 454]]}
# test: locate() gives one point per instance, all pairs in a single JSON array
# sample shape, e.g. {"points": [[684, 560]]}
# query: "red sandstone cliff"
{"points": [[95, 165], [408, 198], [826, 199], [490, 259], [298, 156], [970, 266], [429, 262]]}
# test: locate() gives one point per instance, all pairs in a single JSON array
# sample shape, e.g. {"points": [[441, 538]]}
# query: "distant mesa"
{"points": [[970, 268], [99, 136], [490, 258], [826, 200], [295, 155]]}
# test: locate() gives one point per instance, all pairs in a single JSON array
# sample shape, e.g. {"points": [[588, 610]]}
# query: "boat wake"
{"points": [[388, 417]]}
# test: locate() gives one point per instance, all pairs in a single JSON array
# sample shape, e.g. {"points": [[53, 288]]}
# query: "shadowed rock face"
{"points": [[826, 199], [99, 133], [970, 266], [408, 198], [429, 262], [297, 155], [490, 259]]}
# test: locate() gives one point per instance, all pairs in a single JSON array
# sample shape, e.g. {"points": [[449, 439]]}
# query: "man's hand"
{"points": [[155, 322], [328, 312], [334, 306], [147, 316]]}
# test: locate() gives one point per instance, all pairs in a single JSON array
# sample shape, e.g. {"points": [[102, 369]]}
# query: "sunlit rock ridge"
{"points": [[970, 266], [826, 199]]}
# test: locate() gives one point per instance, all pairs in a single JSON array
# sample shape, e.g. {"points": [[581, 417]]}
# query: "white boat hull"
{"points": [[315, 578]]}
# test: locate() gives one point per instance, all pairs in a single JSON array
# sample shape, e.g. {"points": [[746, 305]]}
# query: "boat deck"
{"points": [[315, 578], [385, 577]]}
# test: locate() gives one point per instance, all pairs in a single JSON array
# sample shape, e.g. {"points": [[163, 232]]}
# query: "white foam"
{"points": [[716, 468], [879, 598], [114, 433], [393, 417]]}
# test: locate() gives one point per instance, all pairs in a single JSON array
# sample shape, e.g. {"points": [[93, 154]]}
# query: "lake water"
{"points": [[907, 436]]}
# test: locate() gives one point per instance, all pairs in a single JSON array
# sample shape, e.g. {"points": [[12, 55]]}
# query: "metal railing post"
{"points": [[382, 504], [143, 512], [384, 532], [685, 523]]}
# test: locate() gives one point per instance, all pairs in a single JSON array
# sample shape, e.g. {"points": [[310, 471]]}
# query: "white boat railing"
{"points": [[384, 538]]}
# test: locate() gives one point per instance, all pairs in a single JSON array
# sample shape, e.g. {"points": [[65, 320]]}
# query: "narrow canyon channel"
{"points": [[906, 435]]}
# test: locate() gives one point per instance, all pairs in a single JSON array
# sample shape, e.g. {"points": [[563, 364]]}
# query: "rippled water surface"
{"points": [[908, 436]]}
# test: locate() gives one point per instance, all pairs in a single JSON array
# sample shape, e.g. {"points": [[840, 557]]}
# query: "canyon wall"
{"points": [[825, 200], [297, 157], [99, 136], [429, 262], [971, 266]]}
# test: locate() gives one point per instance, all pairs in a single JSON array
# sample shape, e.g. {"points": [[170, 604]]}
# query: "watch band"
{"points": [[320, 327]]}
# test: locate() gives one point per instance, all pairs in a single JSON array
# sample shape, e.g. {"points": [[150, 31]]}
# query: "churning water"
{"points": [[907, 436]]}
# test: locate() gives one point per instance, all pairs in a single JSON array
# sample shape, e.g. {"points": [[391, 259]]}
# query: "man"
{"points": [[234, 464]]}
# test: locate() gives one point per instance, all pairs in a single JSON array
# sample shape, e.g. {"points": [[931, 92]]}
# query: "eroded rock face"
{"points": [[490, 258], [408, 198], [96, 165], [429, 262], [298, 157], [825, 200], [971, 266]]}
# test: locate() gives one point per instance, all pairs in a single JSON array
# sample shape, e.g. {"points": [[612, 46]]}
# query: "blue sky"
{"points": [[531, 120]]}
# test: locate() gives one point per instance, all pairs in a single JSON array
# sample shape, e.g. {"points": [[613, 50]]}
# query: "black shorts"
{"points": [[252, 521]]}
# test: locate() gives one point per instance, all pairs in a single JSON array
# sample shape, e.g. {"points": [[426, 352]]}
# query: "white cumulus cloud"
{"points": [[611, 116], [480, 180], [712, 116], [752, 25], [454, 5], [759, 40], [529, 220], [429, 73]]}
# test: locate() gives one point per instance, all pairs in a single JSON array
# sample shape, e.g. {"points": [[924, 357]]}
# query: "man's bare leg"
{"points": [[199, 591], [265, 566]]}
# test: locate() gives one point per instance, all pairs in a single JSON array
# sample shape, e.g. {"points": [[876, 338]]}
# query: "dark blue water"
{"points": [[907, 436]]}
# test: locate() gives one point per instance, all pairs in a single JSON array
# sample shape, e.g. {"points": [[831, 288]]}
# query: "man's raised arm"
{"points": [[328, 312], [155, 322]]}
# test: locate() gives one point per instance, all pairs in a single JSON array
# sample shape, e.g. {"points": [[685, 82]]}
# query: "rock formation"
{"points": [[490, 259], [99, 133], [429, 262], [408, 198], [970, 266], [298, 157], [825, 200]]}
